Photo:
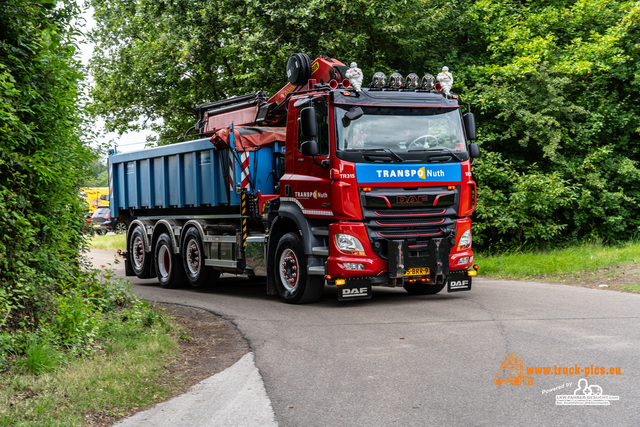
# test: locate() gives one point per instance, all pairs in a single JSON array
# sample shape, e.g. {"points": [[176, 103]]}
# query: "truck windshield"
{"points": [[432, 134]]}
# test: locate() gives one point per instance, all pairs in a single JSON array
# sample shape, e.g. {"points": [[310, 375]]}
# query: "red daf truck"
{"points": [[321, 184]]}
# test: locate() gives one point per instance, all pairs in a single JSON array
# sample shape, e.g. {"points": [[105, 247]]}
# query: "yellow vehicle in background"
{"points": [[95, 197]]}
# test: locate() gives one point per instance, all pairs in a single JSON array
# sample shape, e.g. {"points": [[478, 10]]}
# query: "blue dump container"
{"points": [[191, 174]]}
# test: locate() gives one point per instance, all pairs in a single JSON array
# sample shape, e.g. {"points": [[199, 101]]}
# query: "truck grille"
{"points": [[412, 215]]}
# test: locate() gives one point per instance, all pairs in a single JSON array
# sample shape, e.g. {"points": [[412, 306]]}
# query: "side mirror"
{"points": [[474, 150], [309, 148], [308, 123], [469, 126], [354, 113]]}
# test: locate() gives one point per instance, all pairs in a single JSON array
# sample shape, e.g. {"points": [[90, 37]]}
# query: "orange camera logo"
{"points": [[511, 371]]}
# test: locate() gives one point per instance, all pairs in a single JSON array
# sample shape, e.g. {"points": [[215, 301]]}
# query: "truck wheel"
{"points": [[198, 274], [423, 289], [168, 266], [139, 258], [294, 285]]}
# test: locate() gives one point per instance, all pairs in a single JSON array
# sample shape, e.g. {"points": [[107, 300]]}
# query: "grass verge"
{"points": [[119, 374], [593, 265], [110, 242]]}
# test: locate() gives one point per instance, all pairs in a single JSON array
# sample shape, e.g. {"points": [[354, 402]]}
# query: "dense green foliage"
{"points": [[41, 159], [51, 306], [554, 85], [560, 121]]}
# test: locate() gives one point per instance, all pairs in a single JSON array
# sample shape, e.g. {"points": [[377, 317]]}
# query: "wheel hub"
{"points": [[193, 257], [164, 262], [289, 269], [138, 252]]}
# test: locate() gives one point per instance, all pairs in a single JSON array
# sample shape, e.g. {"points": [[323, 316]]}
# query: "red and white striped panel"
{"points": [[244, 157], [231, 170]]}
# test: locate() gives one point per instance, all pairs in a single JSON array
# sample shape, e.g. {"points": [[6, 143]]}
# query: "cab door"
{"points": [[307, 181]]}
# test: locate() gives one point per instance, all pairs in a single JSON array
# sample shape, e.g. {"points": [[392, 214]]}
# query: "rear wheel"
{"points": [[139, 258], [168, 266], [423, 288], [290, 269], [198, 274]]}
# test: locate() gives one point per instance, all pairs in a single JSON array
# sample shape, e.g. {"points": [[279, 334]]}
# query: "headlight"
{"points": [[465, 240], [349, 245]]}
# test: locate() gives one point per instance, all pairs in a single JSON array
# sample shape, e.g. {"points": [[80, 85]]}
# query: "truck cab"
{"points": [[378, 183]]}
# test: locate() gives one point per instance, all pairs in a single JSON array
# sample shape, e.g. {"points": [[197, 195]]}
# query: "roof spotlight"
{"points": [[428, 82], [379, 80], [395, 81], [411, 82]]}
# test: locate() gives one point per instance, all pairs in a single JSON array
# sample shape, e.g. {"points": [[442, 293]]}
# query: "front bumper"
{"points": [[405, 261]]}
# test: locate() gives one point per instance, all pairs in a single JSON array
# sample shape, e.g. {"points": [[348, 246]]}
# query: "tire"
{"points": [[423, 289], [193, 256], [120, 228], [168, 265], [139, 253], [290, 269]]}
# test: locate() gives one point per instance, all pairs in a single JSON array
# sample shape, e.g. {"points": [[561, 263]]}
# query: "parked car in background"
{"points": [[102, 221]]}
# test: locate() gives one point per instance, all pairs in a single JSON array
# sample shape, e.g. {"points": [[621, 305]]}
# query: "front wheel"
{"points": [[423, 289], [168, 266], [294, 285]]}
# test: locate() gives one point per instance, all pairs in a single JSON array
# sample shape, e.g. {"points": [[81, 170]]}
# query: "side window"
{"points": [[322, 115]]}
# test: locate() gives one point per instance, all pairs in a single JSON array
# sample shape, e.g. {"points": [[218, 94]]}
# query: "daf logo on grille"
{"points": [[412, 199]]}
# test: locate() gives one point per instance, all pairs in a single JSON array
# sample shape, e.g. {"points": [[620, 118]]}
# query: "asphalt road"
{"points": [[432, 360]]}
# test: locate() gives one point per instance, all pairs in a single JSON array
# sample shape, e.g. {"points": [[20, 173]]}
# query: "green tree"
{"points": [[99, 175], [557, 90], [554, 86], [155, 59]]}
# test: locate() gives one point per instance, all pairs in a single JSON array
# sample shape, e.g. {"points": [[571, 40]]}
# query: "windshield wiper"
{"points": [[383, 152], [439, 152]]}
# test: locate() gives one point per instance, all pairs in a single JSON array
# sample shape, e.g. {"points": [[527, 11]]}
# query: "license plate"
{"points": [[423, 271]]}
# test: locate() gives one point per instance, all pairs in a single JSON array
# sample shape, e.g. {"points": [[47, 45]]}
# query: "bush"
{"points": [[42, 161]]}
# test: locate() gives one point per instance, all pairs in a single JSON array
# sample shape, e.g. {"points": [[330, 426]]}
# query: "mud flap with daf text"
{"points": [[355, 289], [458, 281]]}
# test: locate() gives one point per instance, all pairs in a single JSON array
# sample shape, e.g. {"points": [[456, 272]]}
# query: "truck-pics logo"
{"points": [[511, 371]]}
